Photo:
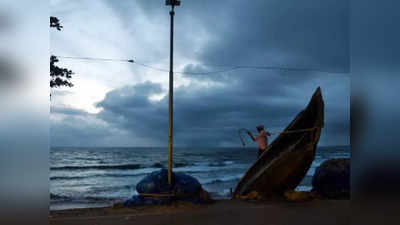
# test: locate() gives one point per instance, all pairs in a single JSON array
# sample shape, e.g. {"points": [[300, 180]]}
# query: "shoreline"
{"points": [[219, 212]]}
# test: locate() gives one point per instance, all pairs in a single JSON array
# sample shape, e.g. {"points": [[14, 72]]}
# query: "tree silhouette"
{"points": [[54, 22], [58, 76]]}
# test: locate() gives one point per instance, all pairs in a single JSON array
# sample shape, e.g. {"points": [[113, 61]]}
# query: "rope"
{"points": [[299, 130], [240, 136], [283, 132], [157, 195]]}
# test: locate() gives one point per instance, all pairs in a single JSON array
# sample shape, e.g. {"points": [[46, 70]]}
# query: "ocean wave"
{"points": [[55, 197], [311, 171], [100, 199], [196, 169], [158, 165], [70, 178], [100, 167], [58, 197], [303, 188], [176, 165], [202, 168], [95, 175], [220, 164], [107, 189], [221, 194], [86, 159], [222, 180]]}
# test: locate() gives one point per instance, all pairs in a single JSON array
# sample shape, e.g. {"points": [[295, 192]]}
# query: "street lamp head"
{"points": [[173, 2]]}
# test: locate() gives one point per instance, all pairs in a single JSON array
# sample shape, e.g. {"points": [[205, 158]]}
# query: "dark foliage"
{"points": [[54, 22], [58, 76]]}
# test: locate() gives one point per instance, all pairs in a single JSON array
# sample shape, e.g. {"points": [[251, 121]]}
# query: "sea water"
{"points": [[96, 177]]}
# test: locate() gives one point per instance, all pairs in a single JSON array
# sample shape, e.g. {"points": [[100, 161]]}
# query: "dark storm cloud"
{"points": [[67, 111], [308, 33], [380, 51], [122, 98], [212, 107], [129, 108], [77, 130], [206, 117]]}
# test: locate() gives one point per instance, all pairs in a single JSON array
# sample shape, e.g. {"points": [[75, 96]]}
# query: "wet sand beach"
{"points": [[223, 212]]}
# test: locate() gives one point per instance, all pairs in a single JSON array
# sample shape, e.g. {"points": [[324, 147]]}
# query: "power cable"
{"points": [[229, 68]]}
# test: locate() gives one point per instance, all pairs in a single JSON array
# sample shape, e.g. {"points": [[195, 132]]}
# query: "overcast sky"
{"points": [[124, 104]]}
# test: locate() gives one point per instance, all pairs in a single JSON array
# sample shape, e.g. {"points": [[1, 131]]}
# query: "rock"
{"points": [[332, 178]]}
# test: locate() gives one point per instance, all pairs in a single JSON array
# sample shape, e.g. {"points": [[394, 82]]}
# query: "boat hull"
{"points": [[288, 158]]}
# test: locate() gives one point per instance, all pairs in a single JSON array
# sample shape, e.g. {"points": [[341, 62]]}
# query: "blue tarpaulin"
{"points": [[185, 187]]}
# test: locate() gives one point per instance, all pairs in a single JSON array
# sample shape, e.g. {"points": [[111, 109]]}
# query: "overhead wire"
{"points": [[96, 59], [233, 68], [229, 68]]}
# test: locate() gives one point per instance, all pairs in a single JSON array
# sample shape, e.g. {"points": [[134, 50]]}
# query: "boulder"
{"points": [[332, 178]]}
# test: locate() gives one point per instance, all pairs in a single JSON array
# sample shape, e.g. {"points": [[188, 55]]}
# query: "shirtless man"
{"points": [[261, 138]]}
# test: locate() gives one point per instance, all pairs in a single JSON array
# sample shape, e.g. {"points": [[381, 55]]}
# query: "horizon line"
{"points": [[177, 146]]}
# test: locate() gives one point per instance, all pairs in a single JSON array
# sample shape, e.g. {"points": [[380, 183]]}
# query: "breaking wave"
{"points": [[100, 167]]}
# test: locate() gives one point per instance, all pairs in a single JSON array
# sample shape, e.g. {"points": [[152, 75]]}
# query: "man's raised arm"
{"points": [[251, 136]]}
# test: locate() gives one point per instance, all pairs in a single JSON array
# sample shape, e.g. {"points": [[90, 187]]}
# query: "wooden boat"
{"points": [[288, 158]]}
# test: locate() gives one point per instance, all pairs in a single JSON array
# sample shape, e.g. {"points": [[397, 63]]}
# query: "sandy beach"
{"points": [[225, 212]]}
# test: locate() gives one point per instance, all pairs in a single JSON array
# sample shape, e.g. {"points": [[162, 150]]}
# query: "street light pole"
{"points": [[172, 3]]}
